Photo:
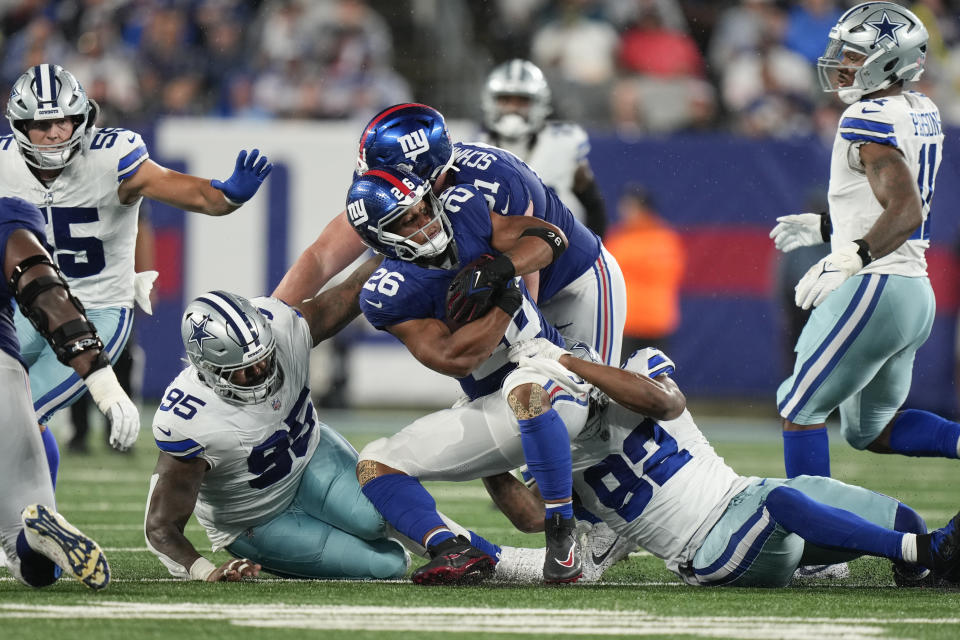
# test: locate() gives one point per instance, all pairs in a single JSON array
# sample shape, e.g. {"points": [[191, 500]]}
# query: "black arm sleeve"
{"points": [[594, 206]]}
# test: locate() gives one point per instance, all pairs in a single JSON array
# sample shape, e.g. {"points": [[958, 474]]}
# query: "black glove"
{"points": [[471, 292], [509, 298]]}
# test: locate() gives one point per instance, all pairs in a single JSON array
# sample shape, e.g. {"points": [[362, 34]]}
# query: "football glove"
{"points": [[471, 293], [115, 404], [142, 286], [799, 230], [556, 372], [658, 363], [248, 175], [534, 348], [827, 274]]}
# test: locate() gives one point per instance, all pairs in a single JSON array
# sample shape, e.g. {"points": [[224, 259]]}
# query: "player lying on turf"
{"points": [[643, 467], [241, 447]]}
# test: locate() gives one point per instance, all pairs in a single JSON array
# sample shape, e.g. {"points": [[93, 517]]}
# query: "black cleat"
{"points": [[939, 550], [562, 562], [913, 576], [454, 561]]}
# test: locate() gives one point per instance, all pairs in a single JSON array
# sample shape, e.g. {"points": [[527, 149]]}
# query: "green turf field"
{"points": [[103, 494]]}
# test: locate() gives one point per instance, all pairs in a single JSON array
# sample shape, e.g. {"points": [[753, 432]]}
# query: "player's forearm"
{"points": [[330, 311], [660, 398], [188, 193], [166, 538], [517, 502], [332, 252], [463, 350], [530, 254]]}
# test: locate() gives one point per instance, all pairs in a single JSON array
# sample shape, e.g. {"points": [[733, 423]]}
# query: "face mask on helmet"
{"points": [[412, 136], [232, 347], [516, 100], [872, 46], [45, 94], [397, 214]]}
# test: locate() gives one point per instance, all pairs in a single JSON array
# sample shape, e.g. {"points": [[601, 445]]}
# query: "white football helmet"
{"points": [[891, 37], [223, 333], [49, 92], [516, 78]]}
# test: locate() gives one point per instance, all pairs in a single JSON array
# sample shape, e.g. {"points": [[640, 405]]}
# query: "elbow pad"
{"points": [[71, 337], [552, 238]]}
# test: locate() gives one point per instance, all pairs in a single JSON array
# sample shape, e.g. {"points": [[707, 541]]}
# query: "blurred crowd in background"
{"points": [[634, 66]]}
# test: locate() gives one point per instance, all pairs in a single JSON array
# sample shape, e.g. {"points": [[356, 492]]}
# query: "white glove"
{"points": [[657, 362], [798, 230], [535, 347], [142, 286], [556, 372], [826, 275], [114, 403]]}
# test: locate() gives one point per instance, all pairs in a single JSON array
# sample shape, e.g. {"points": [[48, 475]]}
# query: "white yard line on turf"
{"points": [[473, 620]]}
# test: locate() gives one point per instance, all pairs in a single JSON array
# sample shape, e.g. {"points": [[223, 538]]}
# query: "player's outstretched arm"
{"points": [[587, 191], [896, 189], [173, 495], [44, 297], [212, 197], [521, 505], [659, 397], [330, 311], [335, 248]]}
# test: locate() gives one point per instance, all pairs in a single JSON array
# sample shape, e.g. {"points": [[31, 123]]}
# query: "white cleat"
{"points": [[602, 548], [519, 565], [50, 534], [836, 571]]}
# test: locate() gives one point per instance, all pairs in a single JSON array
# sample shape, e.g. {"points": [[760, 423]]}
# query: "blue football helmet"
{"points": [[223, 333], [380, 197], [412, 136]]}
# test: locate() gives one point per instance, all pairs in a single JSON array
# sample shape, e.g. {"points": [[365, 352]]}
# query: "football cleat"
{"points": [[914, 576], [454, 561], [603, 548], [47, 532], [836, 571], [562, 563], [939, 550]]}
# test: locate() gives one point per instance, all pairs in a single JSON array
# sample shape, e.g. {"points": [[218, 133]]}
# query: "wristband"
{"points": [[230, 202], [201, 569], [553, 239], [863, 250], [826, 226]]}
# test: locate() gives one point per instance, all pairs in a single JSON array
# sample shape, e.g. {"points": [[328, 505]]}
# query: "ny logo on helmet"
{"points": [[414, 143], [357, 212]]}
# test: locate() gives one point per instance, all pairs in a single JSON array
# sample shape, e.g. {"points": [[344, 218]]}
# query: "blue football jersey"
{"points": [[14, 214], [510, 186], [399, 291]]}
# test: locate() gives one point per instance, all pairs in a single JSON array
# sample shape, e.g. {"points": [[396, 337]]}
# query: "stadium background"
{"points": [[712, 105]]}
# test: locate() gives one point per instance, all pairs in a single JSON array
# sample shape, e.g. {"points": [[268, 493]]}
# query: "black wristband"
{"points": [[552, 238], [863, 250], [509, 299], [826, 226]]}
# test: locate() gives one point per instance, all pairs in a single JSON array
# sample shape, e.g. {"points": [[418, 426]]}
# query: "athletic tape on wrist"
{"points": [[201, 569]]}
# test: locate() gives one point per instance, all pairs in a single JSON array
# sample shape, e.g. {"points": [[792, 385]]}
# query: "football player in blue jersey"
{"points": [[89, 183], [39, 542], [582, 293], [873, 303], [440, 268]]}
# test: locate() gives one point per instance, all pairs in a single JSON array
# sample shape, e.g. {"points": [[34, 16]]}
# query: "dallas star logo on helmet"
{"points": [[886, 29], [199, 332]]}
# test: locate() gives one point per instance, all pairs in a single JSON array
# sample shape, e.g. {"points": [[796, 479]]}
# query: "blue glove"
{"points": [[247, 177], [658, 363]]}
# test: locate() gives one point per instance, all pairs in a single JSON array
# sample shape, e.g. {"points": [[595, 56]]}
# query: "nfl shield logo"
{"points": [[276, 404]]}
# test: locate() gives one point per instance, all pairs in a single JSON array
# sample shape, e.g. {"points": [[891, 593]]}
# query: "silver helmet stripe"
{"points": [[234, 317]]}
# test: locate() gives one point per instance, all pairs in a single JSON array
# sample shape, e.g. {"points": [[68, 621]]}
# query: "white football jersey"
{"points": [[659, 483], [92, 233], [559, 148], [909, 122], [257, 453]]}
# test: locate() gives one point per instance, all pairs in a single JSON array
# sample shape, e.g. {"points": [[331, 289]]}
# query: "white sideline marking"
{"points": [[473, 620]]}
